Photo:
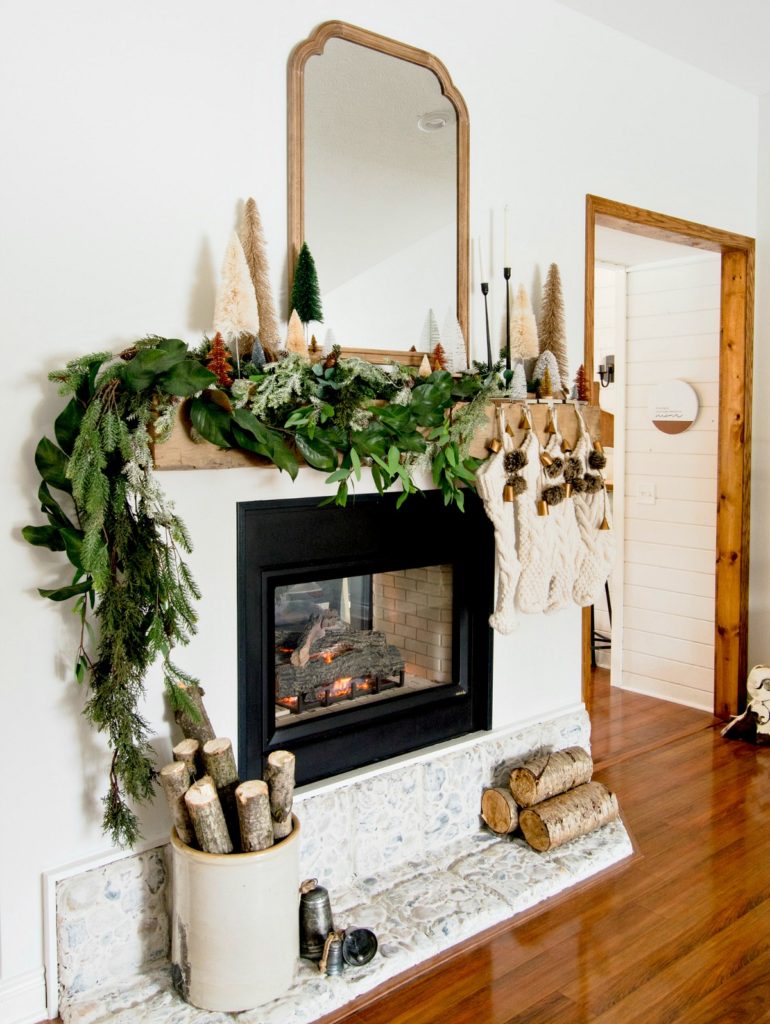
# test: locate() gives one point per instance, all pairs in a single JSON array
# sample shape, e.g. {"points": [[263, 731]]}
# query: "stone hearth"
{"points": [[401, 850]]}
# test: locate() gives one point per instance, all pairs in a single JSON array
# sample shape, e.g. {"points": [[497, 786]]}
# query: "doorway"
{"points": [[736, 283]]}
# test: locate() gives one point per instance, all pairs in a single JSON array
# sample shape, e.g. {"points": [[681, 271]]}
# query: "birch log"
{"points": [[280, 781], [219, 762], [567, 816], [194, 728], [499, 811], [253, 802], [207, 817], [189, 752], [175, 780], [546, 776]]}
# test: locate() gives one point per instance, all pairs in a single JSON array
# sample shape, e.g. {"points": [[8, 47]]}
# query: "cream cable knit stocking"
{"points": [[598, 546], [565, 535], [490, 480], [535, 534]]}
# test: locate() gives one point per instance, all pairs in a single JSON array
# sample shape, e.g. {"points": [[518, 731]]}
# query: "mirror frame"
{"points": [[315, 44]]}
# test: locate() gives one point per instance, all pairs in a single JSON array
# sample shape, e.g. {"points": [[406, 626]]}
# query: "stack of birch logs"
{"points": [[212, 810], [552, 799]]}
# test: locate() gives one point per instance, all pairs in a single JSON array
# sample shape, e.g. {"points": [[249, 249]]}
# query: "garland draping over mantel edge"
{"points": [[124, 541]]}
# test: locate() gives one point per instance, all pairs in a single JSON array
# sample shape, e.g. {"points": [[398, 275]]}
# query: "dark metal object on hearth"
{"points": [[315, 919], [359, 946]]}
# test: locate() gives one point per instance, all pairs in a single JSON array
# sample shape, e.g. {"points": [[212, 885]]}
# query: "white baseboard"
{"points": [[22, 999]]}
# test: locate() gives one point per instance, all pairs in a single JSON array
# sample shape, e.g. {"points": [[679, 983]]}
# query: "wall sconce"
{"points": [[606, 371]]}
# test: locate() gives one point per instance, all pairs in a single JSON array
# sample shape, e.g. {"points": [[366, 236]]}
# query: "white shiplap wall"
{"points": [[672, 330]]}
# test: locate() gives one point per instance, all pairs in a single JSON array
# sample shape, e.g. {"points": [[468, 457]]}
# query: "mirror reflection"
{"points": [[380, 195]]}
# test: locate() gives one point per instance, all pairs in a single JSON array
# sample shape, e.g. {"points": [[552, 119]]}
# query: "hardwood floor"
{"points": [[680, 934]]}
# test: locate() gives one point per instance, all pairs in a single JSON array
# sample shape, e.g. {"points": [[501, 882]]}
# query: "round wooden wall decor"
{"points": [[673, 406]]}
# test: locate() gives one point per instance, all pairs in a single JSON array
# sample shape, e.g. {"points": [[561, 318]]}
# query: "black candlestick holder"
{"points": [[485, 292], [507, 276]]}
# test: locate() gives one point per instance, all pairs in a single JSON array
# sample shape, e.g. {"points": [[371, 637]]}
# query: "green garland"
{"points": [[124, 541]]}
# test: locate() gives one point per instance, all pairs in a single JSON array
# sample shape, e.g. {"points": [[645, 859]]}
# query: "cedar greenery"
{"points": [[126, 544]]}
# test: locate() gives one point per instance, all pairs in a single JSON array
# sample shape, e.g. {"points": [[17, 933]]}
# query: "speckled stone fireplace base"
{"points": [[411, 862]]}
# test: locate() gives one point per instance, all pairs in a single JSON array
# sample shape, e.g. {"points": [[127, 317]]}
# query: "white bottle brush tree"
{"points": [[524, 341], [236, 316]]}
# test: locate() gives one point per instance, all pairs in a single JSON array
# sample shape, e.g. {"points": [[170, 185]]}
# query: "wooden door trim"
{"points": [[734, 443]]}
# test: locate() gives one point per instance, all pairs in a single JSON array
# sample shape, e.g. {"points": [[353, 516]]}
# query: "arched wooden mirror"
{"points": [[378, 187]]}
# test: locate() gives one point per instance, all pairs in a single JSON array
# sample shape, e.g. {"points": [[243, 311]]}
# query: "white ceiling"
{"points": [[727, 38], [629, 250]]}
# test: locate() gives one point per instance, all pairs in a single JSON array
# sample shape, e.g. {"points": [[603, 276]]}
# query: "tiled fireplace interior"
{"points": [[401, 850]]}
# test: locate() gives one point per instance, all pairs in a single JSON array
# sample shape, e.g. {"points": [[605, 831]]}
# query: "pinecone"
{"points": [[128, 353]]}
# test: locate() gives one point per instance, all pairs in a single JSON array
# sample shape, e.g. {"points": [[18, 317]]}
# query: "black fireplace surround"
{"points": [[284, 542]]}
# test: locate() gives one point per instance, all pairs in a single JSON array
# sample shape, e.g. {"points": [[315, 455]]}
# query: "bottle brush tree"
{"points": [[581, 384], [546, 388], [524, 343], [553, 335], [305, 293], [236, 316], [218, 361], [438, 358], [255, 250]]}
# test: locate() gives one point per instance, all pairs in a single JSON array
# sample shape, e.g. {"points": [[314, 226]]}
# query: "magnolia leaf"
{"points": [[356, 461], [211, 422], [141, 371], [186, 378], [317, 453], [51, 507], [73, 542], [393, 460], [44, 537], [248, 442], [64, 593], [67, 425], [52, 465]]}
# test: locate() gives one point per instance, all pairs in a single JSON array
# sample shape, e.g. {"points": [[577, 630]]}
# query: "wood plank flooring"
{"points": [[681, 934]]}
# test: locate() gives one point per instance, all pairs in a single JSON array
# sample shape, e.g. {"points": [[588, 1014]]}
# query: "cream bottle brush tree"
{"points": [[524, 341], [236, 316]]}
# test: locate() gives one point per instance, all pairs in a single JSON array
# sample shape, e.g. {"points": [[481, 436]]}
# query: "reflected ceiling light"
{"points": [[435, 120]]}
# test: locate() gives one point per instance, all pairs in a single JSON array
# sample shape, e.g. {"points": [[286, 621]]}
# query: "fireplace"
{"points": [[363, 631]]}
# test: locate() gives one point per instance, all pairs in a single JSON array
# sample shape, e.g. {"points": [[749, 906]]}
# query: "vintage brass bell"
{"points": [[550, 426], [523, 421], [568, 490], [315, 919], [598, 446], [509, 493], [546, 459], [566, 447], [604, 524], [542, 508], [494, 445]]}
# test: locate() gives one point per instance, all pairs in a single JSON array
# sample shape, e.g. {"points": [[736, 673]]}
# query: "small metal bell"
{"points": [[331, 960], [604, 524], [550, 426], [315, 919], [509, 493], [523, 421], [568, 490], [509, 429], [494, 445], [546, 459], [598, 446], [542, 508], [566, 447]]}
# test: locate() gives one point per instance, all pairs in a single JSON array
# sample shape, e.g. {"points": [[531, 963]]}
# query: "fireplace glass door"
{"points": [[345, 641]]}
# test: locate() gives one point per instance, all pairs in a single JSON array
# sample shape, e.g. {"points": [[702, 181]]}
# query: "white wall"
{"points": [[759, 592], [131, 133], [672, 331]]}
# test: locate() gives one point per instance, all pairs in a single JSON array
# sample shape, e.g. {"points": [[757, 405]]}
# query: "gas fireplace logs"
{"points": [[207, 817], [253, 803], [549, 775], [175, 780], [552, 800], [280, 779], [499, 811], [198, 728], [568, 816]]}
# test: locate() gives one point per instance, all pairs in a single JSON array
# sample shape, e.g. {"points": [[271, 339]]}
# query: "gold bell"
{"points": [[604, 524], [546, 459], [598, 446], [509, 494], [542, 508], [550, 426], [509, 429], [523, 421], [566, 447], [568, 490], [494, 445]]}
